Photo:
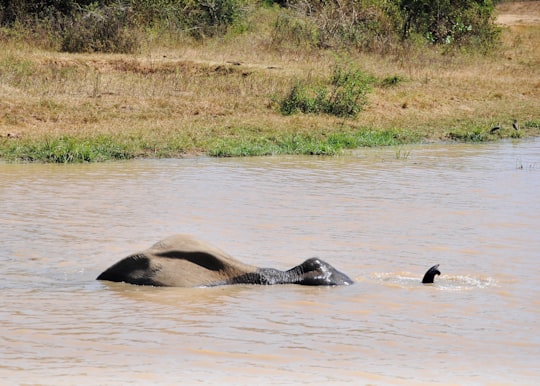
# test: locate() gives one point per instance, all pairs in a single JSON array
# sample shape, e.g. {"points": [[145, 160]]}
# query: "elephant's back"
{"points": [[178, 261]]}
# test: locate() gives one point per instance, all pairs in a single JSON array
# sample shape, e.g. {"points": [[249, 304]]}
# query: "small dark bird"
{"points": [[495, 128], [429, 277], [515, 125]]}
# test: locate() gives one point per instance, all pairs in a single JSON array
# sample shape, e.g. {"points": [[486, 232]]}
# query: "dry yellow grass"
{"points": [[215, 89]]}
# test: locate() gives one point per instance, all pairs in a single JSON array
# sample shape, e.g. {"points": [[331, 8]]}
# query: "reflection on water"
{"points": [[472, 209]]}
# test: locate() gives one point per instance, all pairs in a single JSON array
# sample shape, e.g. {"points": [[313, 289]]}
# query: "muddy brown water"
{"points": [[383, 216]]}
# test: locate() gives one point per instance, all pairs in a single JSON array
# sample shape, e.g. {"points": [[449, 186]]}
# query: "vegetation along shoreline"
{"points": [[89, 81]]}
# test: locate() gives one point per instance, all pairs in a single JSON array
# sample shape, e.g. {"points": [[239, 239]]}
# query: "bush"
{"points": [[345, 96], [370, 25], [348, 95], [378, 25], [100, 29], [196, 18], [367, 25], [109, 25], [293, 32], [211, 17], [28, 12], [461, 22]]}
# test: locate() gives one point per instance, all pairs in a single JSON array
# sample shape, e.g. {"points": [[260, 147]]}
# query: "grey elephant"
{"points": [[184, 261]]}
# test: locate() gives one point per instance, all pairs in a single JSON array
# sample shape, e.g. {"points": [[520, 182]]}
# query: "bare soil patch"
{"points": [[519, 13]]}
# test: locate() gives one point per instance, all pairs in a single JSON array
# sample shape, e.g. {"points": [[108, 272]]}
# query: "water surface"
{"points": [[383, 216]]}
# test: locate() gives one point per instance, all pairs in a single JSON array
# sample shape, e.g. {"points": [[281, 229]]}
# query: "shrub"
{"points": [[211, 17], [345, 96], [196, 18], [100, 29], [378, 25], [370, 25], [292, 31], [299, 99], [27, 11], [461, 22], [348, 95]]}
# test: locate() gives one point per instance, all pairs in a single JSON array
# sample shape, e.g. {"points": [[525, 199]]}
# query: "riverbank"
{"points": [[221, 98]]}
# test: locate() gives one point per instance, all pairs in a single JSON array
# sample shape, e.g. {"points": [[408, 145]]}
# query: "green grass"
{"points": [[469, 135], [233, 142], [533, 124], [309, 144], [17, 71], [65, 149]]}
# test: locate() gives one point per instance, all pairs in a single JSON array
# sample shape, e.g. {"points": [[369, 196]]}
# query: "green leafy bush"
{"points": [[348, 92], [344, 96], [461, 22], [299, 99]]}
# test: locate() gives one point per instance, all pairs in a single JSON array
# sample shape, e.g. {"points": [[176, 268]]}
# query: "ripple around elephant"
{"points": [[184, 261]]}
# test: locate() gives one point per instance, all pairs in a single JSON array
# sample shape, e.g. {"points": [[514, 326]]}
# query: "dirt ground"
{"points": [[519, 13]]}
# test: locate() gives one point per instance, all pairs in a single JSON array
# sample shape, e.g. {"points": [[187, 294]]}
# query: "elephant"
{"points": [[184, 261]]}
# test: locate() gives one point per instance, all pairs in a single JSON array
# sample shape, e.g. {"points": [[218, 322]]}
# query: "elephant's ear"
{"points": [[134, 269]]}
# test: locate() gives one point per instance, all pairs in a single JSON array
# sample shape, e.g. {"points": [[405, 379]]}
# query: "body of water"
{"points": [[382, 216]]}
